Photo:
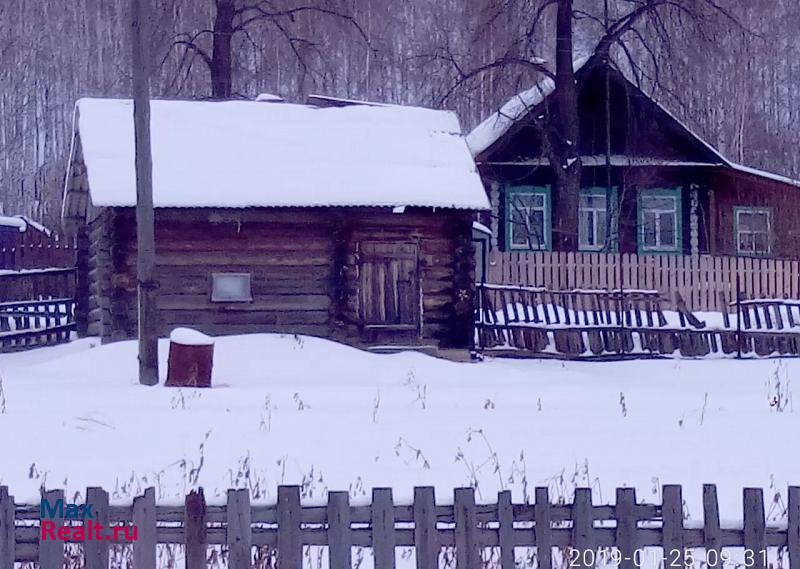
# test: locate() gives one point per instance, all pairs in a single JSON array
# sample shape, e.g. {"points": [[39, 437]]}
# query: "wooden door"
{"points": [[389, 286]]}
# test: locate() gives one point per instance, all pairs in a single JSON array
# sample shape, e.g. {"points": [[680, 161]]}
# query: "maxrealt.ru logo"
{"points": [[89, 530]]}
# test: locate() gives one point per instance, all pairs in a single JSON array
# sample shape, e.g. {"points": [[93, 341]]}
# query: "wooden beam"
{"points": [[141, 68]]}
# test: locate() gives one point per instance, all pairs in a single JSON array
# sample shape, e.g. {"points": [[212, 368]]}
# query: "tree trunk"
{"points": [[222, 55], [564, 134]]}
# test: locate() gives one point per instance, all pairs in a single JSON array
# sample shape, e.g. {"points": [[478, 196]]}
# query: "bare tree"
{"points": [[740, 92], [631, 24], [237, 18]]}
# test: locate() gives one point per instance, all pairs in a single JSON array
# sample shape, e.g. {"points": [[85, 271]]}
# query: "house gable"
{"points": [[640, 127]]}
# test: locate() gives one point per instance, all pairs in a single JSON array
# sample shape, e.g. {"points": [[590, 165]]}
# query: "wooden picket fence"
{"points": [[525, 321], [31, 324], [563, 534], [706, 282], [38, 284], [37, 308], [36, 250]]}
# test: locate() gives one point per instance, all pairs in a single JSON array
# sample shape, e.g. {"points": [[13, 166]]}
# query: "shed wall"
{"points": [[304, 266]]}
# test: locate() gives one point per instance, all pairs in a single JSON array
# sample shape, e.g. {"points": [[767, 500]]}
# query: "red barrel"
{"points": [[191, 357]]}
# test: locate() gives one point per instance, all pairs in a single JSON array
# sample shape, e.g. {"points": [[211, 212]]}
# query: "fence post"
{"points": [[339, 540], [194, 523], [96, 551], [712, 533], [144, 518], [738, 318], [755, 542], [383, 541], [625, 512], [794, 527], [290, 546], [426, 539], [239, 531], [541, 519], [583, 527], [466, 526], [7, 532], [505, 517], [51, 551], [672, 530]]}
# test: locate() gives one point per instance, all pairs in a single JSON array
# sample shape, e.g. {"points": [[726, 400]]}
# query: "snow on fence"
{"points": [[37, 307], [706, 282], [35, 323], [514, 319], [579, 534]]}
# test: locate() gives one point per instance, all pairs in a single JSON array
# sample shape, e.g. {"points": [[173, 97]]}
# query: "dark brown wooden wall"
{"points": [[304, 265], [738, 189]]}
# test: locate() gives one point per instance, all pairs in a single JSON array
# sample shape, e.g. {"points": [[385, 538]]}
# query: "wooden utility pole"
{"points": [[148, 341]]}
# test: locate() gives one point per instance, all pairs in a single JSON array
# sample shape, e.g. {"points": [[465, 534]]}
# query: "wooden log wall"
{"points": [[629, 534], [304, 266]]}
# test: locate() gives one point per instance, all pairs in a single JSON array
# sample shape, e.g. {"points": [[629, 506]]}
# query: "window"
{"points": [[753, 228], [660, 221], [528, 218], [231, 287], [596, 225]]}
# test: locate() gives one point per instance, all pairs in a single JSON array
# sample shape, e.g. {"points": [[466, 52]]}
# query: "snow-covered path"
{"points": [[308, 411]]}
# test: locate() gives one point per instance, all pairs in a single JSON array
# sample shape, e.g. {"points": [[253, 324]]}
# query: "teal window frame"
{"points": [[770, 229], [545, 191], [674, 193], [612, 219]]}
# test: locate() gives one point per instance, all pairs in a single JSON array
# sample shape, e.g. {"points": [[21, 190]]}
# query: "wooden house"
{"points": [[649, 184], [347, 221]]}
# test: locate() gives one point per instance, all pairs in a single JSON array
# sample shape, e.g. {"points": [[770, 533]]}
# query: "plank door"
{"points": [[389, 286]]}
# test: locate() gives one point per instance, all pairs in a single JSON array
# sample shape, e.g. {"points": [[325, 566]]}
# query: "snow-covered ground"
{"points": [[307, 411]]}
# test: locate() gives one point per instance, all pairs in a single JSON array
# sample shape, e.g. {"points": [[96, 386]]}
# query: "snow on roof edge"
{"points": [[491, 129], [326, 204], [764, 174], [13, 221], [23, 222]]}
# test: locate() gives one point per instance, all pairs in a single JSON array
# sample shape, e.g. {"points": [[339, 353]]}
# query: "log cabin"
{"points": [[334, 219], [650, 185]]}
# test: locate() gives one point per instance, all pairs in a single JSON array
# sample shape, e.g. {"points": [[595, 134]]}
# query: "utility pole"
{"points": [[145, 238]]}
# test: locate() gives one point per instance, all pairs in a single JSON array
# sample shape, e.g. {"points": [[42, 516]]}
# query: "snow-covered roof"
{"points": [[257, 154], [499, 123]]}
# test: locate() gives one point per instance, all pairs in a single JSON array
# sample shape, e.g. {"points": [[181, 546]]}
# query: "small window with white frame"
{"points": [[753, 227], [528, 218], [231, 287], [596, 227], [660, 221]]}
